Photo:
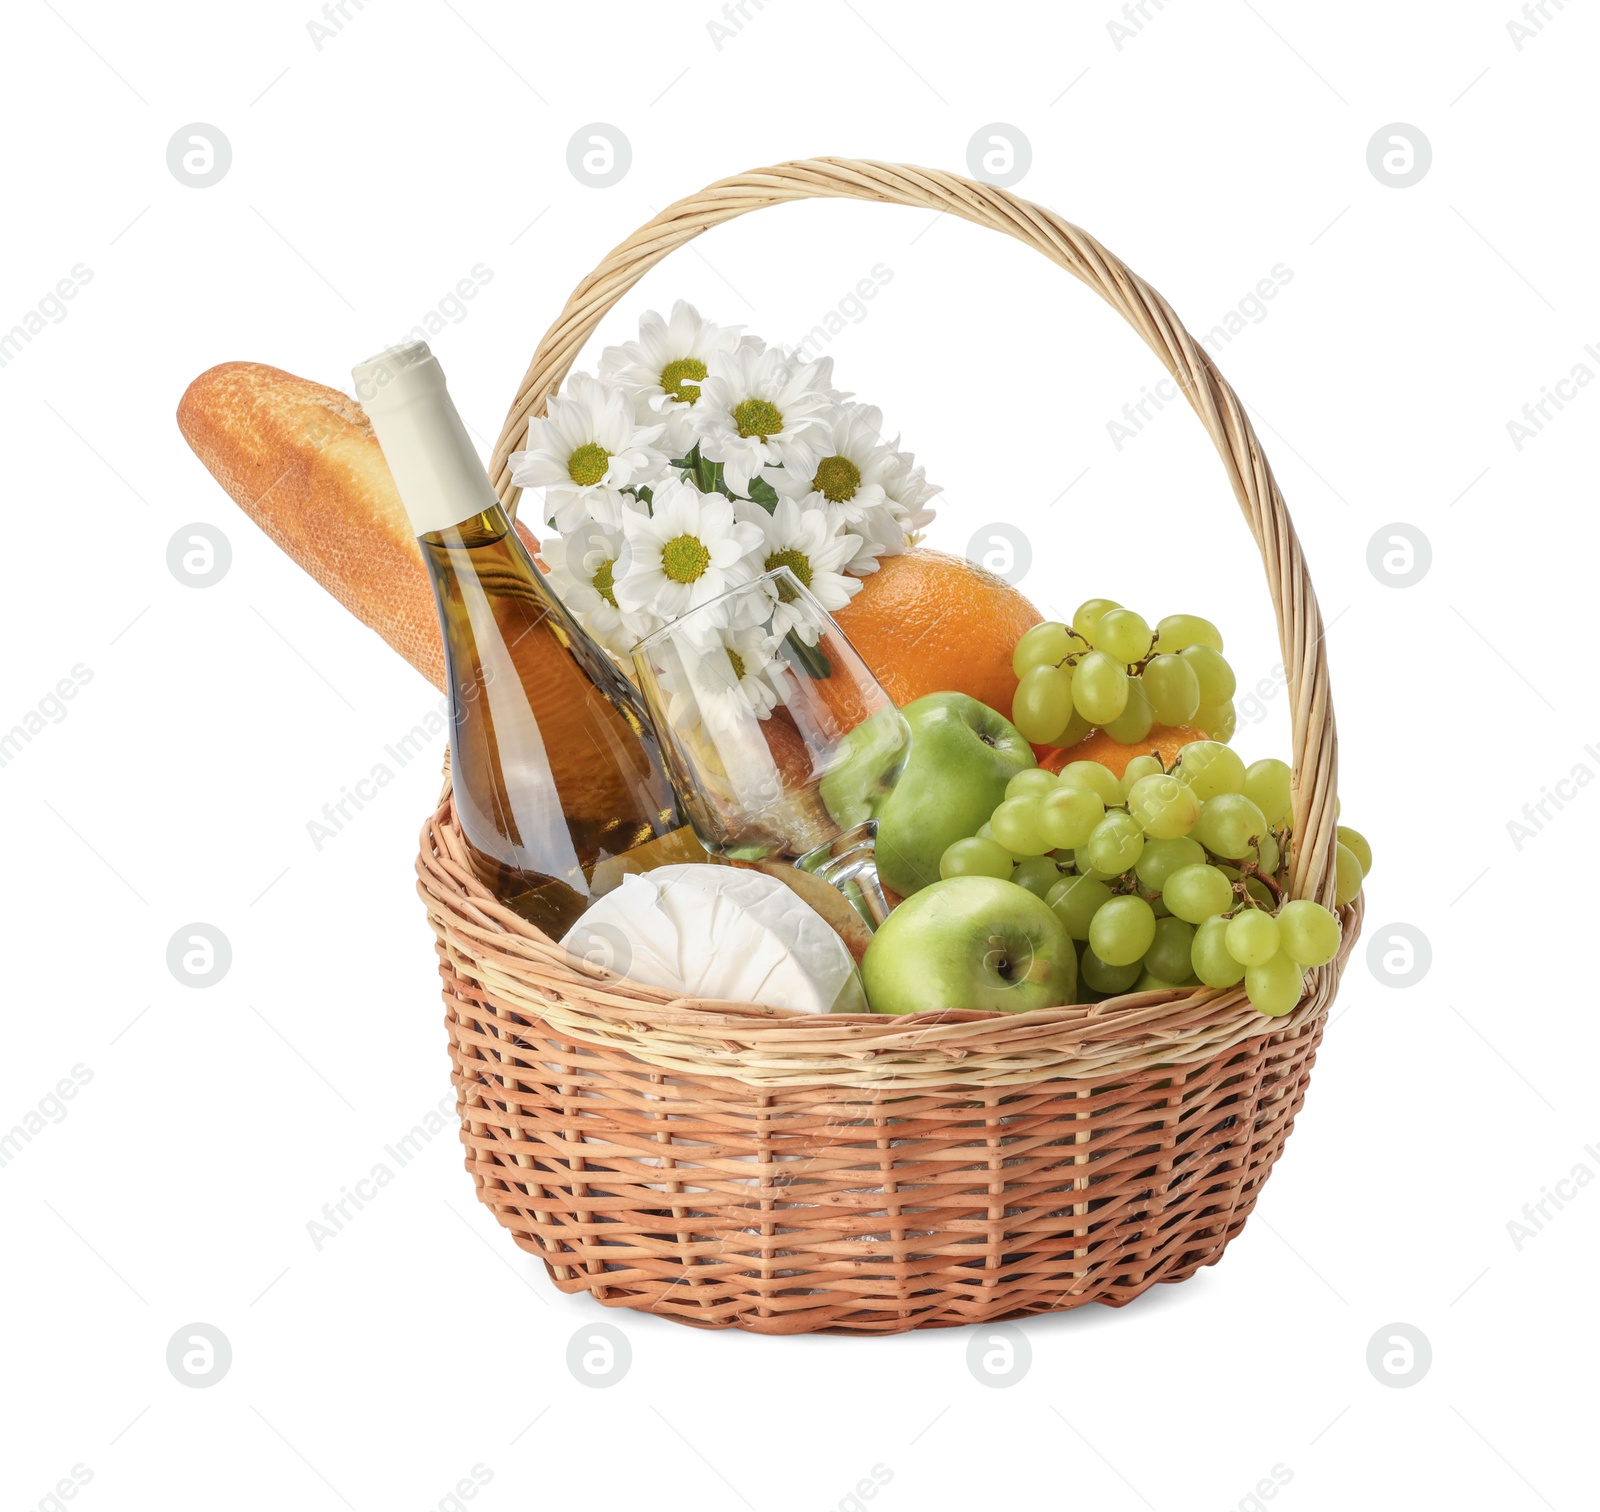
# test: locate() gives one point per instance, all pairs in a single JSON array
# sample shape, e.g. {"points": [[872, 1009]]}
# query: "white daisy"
{"points": [[688, 550], [757, 409], [662, 371], [722, 677], [852, 484], [910, 495], [582, 567], [888, 527], [821, 373], [586, 447], [815, 549]]}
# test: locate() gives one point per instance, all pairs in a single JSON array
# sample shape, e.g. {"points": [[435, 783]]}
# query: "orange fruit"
{"points": [[927, 622], [1098, 746]]}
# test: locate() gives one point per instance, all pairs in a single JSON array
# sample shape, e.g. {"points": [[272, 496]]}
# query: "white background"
{"points": [[424, 138]]}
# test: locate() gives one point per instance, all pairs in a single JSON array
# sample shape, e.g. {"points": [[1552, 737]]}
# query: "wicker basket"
{"points": [[735, 1166]]}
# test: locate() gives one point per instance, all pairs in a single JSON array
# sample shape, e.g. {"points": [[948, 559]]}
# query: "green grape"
{"points": [[1160, 858], [1016, 826], [1077, 728], [1086, 617], [1308, 933], [975, 858], [1347, 875], [1226, 826], [1178, 631], [1274, 987], [1267, 785], [1195, 893], [1123, 636], [986, 832], [1213, 963], [1090, 774], [1133, 723], [1150, 982], [1068, 816], [1099, 688], [1139, 766], [1038, 874], [1031, 780], [1122, 930], [1044, 646], [1106, 978], [1042, 704], [1210, 767], [1114, 846], [1076, 900], [1356, 843], [1211, 672], [1253, 937], [1086, 868], [1165, 808], [1174, 689], [1168, 955], [1218, 721]]}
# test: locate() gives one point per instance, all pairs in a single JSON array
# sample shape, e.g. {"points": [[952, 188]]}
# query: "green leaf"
{"points": [[811, 659], [764, 494]]}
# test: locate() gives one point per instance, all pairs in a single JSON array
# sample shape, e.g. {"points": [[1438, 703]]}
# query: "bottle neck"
{"points": [[435, 467]]}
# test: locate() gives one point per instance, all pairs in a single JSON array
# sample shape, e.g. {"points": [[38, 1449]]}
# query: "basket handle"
{"points": [[1300, 630]]}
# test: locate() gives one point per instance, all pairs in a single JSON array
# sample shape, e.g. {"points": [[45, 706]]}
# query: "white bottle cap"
{"points": [[430, 456]]}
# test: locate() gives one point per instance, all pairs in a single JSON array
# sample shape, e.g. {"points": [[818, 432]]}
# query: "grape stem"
{"points": [[1253, 869], [1137, 668], [1133, 669]]}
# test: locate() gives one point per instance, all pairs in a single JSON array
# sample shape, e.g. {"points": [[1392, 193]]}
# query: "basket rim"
{"points": [[524, 974]]}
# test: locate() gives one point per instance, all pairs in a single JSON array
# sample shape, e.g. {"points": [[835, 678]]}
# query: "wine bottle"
{"points": [[559, 786]]}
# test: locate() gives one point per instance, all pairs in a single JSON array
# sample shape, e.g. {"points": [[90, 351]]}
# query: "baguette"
{"points": [[301, 460]]}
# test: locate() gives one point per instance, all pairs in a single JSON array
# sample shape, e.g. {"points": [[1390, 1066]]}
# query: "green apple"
{"points": [[865, 767], [970, 942], [962, 756]]}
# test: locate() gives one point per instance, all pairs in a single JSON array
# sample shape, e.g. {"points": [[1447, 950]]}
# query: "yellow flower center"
{"points": [[605, 582], [755, 417], [587, 466], [798, 563], [837, 479], [737, 663], [680, 379], [684, 559]]}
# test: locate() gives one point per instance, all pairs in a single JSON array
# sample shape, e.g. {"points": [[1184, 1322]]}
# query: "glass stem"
{"points": [[849, 863]]}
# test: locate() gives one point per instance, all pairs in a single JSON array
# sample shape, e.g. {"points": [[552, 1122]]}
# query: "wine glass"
{"points": [[777, 738]]}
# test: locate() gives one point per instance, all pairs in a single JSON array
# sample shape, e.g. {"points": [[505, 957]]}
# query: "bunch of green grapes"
{"points": [[1168, 877], [1109, 669]]}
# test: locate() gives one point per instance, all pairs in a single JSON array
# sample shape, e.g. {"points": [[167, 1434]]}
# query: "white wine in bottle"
{"points": [[559, 786]]}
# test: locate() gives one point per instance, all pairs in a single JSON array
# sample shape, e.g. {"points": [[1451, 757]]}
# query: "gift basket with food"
{"points": [[828, 941]]}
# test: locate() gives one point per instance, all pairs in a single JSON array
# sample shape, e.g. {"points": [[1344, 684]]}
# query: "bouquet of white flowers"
{"points": [[701, 458]]}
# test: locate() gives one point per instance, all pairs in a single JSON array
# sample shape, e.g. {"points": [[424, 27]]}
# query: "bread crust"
{"points": [[301, 460]]}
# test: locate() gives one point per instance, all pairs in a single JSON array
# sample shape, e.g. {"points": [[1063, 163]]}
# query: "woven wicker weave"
{"points": [[735, 1166]]}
